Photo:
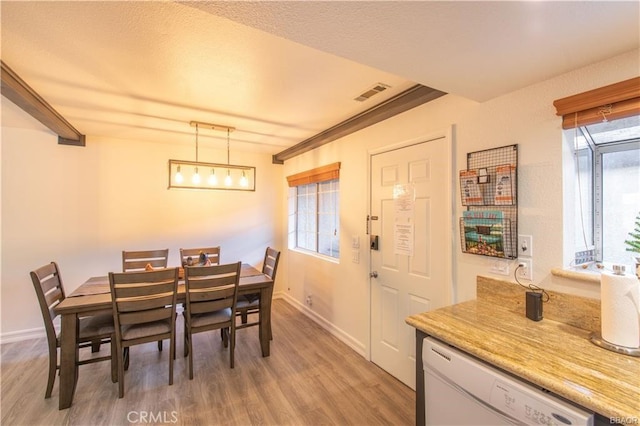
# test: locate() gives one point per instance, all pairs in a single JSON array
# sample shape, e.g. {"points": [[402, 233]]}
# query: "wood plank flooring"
{"points": [[311, 378]]}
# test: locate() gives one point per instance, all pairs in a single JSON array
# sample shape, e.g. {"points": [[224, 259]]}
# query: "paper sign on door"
{"points": [[403, 228]]}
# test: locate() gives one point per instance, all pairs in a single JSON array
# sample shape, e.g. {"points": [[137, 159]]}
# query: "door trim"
{"points": [[447, 134]]}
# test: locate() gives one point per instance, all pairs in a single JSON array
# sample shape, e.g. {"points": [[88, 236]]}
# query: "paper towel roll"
{"points": [[620, 306]]}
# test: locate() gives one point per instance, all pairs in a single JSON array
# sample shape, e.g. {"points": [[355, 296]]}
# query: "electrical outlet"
{"points": [[525, 246], [309, 300], [525, 269], [499, 267]]}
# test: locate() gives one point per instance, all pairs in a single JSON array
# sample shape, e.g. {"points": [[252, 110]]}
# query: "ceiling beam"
{"points": [[410, 98], [20, 93]]}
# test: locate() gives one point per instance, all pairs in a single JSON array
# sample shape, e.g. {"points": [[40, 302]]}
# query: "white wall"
{"points": [[81, 206], [525, 117]]}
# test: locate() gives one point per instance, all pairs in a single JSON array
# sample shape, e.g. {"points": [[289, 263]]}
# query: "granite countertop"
{"points": [[552, 354]]}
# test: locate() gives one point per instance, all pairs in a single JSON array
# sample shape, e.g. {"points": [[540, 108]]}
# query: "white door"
{"points": [[413, 260]]}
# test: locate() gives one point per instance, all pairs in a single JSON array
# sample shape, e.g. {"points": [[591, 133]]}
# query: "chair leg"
{"points": [[244, 316], [114, 360], [189, 349], [225, 337], [121, 360], [95, 345], [160, 345], [125, 355], [53, 367], [172, 355], [232, 348], [186, 340]]}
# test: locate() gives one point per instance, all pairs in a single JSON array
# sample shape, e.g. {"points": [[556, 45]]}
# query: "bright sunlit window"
{"points": [[315, 225], [314, 210], [607, 188]]}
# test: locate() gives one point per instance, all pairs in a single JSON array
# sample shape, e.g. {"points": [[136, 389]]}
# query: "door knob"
{"points": [[373, 274]]}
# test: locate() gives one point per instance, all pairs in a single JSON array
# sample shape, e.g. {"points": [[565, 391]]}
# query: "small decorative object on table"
{"points": [[203, 259]]}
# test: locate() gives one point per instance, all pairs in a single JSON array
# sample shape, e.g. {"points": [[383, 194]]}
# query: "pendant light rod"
{"points": [[211, 126], [196, 142]]}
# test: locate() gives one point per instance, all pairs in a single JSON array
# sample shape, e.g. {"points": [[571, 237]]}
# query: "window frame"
{"points": [[597, 190], [318, 178], [615, 101]]}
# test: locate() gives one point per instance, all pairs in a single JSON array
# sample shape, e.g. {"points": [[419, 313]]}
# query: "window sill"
{"points": [[580, 274], [316, 255]]}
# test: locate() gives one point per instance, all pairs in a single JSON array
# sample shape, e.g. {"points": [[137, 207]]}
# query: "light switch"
{"points": [[525, 246]]}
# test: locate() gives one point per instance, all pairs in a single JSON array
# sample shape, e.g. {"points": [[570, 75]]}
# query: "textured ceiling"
{"points": [[281, 72], [476, 49]]}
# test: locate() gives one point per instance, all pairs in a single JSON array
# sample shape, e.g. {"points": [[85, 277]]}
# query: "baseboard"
{"points": [[344, 337], [18, 336]]}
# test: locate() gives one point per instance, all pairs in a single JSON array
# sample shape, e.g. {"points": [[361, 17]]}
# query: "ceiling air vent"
{"points": [[372, 91]]}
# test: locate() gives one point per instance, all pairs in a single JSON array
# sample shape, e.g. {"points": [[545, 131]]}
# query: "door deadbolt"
{"points": [[373, 239]]}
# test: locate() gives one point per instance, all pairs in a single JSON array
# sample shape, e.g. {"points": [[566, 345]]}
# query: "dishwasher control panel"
{"points": [[528, 408]]}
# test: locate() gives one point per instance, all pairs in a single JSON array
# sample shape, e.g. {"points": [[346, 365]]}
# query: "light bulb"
{"points": [[179, 177], [243, 180], [213, 179], [196, 178], [227, 180]]}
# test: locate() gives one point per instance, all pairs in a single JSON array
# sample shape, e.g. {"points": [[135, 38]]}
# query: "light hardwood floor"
{"points": [[311, 378]]}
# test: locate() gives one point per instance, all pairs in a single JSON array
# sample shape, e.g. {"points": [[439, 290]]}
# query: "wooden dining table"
{"points": [[94, 296]]}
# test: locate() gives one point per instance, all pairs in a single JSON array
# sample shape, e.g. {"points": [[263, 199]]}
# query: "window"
{"points": [[607, 156], [603, 131], [314, 220]]}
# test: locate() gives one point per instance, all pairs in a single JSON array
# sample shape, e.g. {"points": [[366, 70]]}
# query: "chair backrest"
{"points": [[141, 297], [48, 285], [137, 260], [213, 253], [211, 288], [270, 265]]}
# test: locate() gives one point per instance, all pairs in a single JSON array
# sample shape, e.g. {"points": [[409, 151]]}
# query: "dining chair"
{"points": [[140, 260], [250, 303], [212, 253], [211, 293], [144, 310], [133, 261], [92, 330]]}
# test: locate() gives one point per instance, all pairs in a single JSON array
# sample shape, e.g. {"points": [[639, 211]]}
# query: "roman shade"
{"points": [[320, 174], [614, 101]]}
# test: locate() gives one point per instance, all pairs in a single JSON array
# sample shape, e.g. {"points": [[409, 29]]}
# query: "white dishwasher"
{"points": [[462, 390]]}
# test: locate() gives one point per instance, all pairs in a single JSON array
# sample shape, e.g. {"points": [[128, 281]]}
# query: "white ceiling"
{"points": [[281, 72]]}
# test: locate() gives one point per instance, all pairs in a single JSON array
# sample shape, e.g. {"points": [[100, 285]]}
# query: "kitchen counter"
{"points": [[555, 354]]}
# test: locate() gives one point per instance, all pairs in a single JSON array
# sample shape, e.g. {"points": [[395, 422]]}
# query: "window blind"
{"points": [[320, 174], [618, 100]]}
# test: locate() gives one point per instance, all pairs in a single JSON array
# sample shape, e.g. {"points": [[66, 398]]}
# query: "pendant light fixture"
{"points": [[239, 178]]}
